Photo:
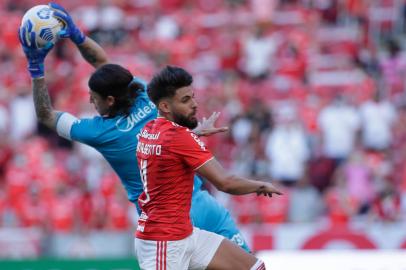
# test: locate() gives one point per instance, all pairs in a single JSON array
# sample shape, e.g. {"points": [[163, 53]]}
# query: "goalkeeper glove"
{"points": [[71, 30], [35, 56]]}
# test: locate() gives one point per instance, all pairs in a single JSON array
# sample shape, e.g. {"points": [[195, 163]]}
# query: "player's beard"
{"points": [[189, 122]]}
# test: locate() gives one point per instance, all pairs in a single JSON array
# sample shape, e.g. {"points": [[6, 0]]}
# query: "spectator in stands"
{"points": [[398, 150], [358, 180], [339, 124], [5, 147], [329, 10], [63, 215], [260, 114], [340, 205], [241, 130], [32, 210], [22, 117], [263, 10], [105, 22], [378, 116], [258, 50], [387, 205], [305, 203], [166, 28], [393, 68], [4, 120], [287, 148]]}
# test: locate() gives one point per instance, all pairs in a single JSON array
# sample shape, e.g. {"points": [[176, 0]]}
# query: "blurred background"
{"points": [[313, 92]]}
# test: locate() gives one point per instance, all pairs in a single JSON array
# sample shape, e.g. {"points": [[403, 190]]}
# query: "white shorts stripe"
{"points": [[161, 259], [166, 244], [158, 244], [161, 255]]}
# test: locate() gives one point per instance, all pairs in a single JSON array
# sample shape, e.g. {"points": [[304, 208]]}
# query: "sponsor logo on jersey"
{"points": [[199, 142], [237, 238], [149, 136], [127, 123], [143, 216], [140, 228]]}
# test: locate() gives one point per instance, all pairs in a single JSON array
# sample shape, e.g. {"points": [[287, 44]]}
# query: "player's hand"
{"points": [[207, 128], [70, 30], [35, 56], [267, 189]]}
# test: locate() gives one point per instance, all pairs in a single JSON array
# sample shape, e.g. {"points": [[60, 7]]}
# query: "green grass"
{"points": [[70, 264]]}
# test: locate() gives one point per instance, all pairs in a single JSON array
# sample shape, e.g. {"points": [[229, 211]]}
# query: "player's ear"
{"points": [[110, 100], [163, 106]]}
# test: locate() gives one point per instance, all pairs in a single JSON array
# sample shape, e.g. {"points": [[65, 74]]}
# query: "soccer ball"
{"points": [[40, 19]]}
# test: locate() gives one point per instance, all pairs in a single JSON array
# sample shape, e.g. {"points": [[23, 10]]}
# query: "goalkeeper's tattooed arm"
{"points": [[42, 102], [90, 50], [93, 53]]}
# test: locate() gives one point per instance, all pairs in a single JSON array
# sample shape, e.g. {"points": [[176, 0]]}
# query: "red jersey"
{"points": [[168, 155]]}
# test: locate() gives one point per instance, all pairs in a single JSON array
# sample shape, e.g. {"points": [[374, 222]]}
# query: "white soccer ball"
{"points": [[40, 19]]}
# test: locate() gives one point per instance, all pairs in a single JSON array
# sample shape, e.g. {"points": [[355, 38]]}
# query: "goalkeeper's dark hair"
{"points": [[167, 81], [118, 82]]}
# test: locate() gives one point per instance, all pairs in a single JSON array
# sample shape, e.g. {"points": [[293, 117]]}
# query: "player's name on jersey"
{"points": [[149, 149]]}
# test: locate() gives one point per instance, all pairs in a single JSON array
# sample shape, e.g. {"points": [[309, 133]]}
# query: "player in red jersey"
{"points": [[168, 155]]}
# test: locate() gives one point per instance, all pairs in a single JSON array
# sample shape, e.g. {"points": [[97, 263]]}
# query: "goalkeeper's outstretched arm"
{"points": [[92, 52]]}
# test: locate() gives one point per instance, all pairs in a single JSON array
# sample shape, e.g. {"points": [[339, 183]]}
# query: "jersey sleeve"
{"points": [[190, 148], [64, 125], [82, 130]]}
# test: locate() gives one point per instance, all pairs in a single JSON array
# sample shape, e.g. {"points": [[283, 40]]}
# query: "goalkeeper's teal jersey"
{"points": [[116, 139]]}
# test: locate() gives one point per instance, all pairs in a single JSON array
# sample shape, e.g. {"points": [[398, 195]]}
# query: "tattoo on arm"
{"points": [[89, 54], [42, 103], [93, 53]]}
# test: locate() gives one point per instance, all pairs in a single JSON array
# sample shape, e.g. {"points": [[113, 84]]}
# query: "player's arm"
{"points": [[229, 183], [60, 122], [92, 52], [193, 152], [35, 58], [42, 103]]}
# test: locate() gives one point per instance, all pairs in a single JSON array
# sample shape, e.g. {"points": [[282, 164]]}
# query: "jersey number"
{"points": [[143, 171]]}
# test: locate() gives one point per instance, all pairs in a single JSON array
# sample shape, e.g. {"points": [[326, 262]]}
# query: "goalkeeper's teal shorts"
{"points": [[207, 214]]}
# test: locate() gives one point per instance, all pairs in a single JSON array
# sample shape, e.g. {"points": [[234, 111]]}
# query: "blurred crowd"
{"points": [[313, 92]]}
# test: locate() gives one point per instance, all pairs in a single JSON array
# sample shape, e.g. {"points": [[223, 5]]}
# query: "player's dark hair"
{"points": [[116, 81], [167, 81]]}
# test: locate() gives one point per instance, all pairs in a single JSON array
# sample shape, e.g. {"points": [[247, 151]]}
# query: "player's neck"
{"points": [[167, 117]]}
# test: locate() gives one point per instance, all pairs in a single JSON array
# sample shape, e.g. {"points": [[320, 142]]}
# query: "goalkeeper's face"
{"points": [[102, 105]]}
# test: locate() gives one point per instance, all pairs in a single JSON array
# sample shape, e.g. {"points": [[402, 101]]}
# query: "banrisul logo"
{"points": [[126, 124]]}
